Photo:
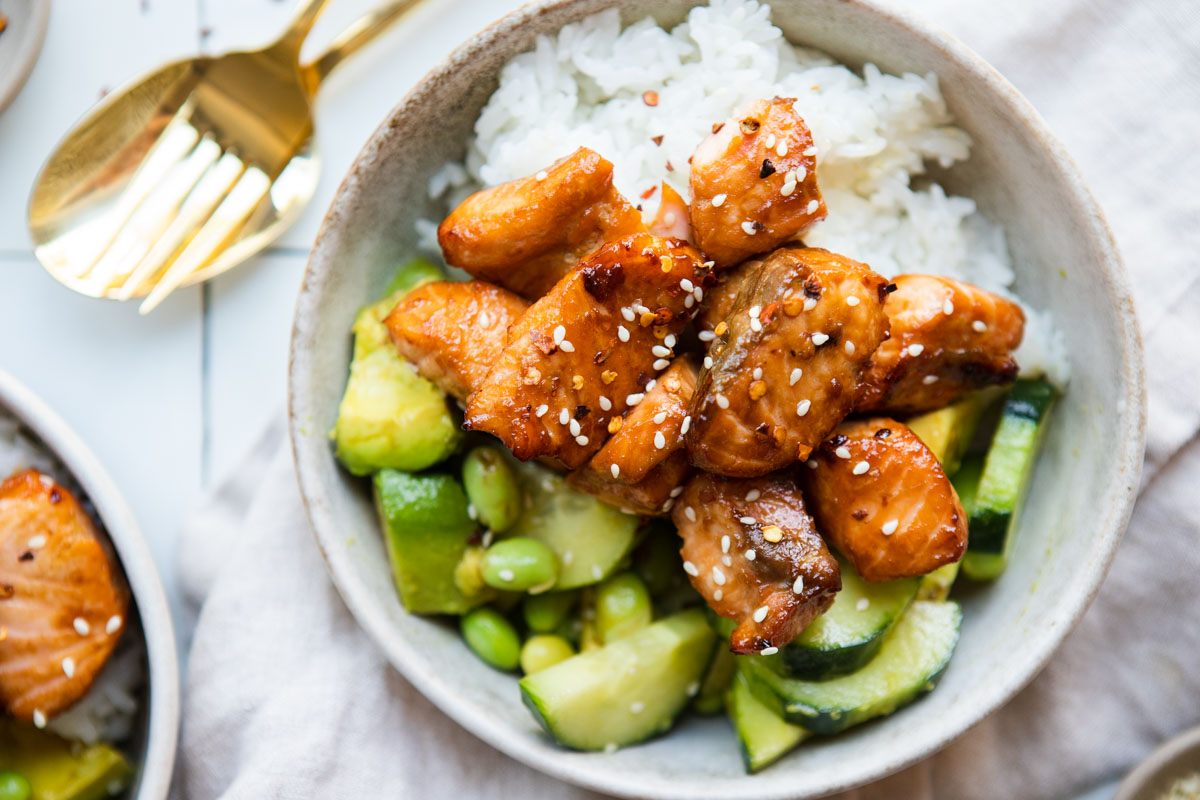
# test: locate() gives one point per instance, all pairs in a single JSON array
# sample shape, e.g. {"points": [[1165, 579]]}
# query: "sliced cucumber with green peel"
{"points": [[936, 585], [711, 698], [996, 509], [912, 658], [626, 691], [764, 735], [591, 539]]}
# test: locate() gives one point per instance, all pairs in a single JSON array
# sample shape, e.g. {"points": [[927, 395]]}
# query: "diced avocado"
{"points": [[391, 417], [764, 735], [948, 431], [626, 691], [711, 697], [58, 769], [590, 538], [912, 658], [427, 532]]}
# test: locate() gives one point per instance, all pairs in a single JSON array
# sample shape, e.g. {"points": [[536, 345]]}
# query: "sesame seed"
{"points": [[471, 512], [799, 173], [36, 542], [39, 719], [640, 309], [708, 362], [809, 151], [636, 707], [768, 651], [842, 452], [568, 557], [979, 325], [622, 333], [718, 576], [754, 311], [573, 427], [485, 319], [725, 543], [689, 301], [566, 346], [634, 399], [605, 403], [820, 338], [650, 386], [113, 624], [693, 688], [660, 441], [915, 350], [749, 228], [861, 468], [797, 373], [757, 374], [706, 336], [810, 303], [627, 313], [687, 423], [760, 613], [802, 407], [751, 555], [669, 340], [849, 347], [678, 490], [690, 568], [68, 667], [798, 586], [948, 307], [773, 534], [770, 142], [660, 351], [488, 536], [610, 748], [727, 561], [862, 604], [564, 417], [541, 410], [581, 440], [753, 495], [718, 200], [747, 520], [686, 285], [506, 575], [755, 324], [82, 627], [722, 400], [788, 188], [782, 148], [615, 469], [890, 526], [698, 293], [560, 333], [718, 594], [813, 205], [597, 573], [541, 176], [811, 463], [852, 301], [929, 380], [690, 513]]}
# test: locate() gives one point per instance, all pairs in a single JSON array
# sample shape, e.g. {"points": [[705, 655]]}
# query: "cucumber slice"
{"points": [[590, 538], [626, 691], [764, 735], [716, 681], [1007, 471], [912, 658], [58, 769], [948, 431], [936, 585]]}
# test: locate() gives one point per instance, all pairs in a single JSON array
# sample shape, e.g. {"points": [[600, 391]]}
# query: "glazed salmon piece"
{"points": [[527, 234], [671, 219], [454, 331], [786, 362], [754, 183], [589, 350], [948, 338], [881, 498], [643, 461], [62, 607], [750, 548]]}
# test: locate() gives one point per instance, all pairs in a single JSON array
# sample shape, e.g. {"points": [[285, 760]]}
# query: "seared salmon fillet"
{"points": [[881, 498], [948, 338], [589, 350], [527, 234], [454, 331], [62, 607], [750, 548]]}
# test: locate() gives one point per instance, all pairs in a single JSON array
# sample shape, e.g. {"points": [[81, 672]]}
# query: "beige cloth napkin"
{"points": [[286, 698]]}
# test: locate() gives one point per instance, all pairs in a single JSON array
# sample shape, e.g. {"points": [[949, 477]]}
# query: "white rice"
{"points": [[874, 134], [108, 712]]}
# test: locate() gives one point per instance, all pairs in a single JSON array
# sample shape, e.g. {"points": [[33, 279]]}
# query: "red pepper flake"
{"points": [[646, 194], [669, 167], [650, 98], [657, 140]]}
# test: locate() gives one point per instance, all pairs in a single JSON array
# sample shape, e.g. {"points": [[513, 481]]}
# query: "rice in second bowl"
{"points": [[617, 91]]}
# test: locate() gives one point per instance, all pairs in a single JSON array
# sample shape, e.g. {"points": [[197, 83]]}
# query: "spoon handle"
{"points": [[362, 31]]}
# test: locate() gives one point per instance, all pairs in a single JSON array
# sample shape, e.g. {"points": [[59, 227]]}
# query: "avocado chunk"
{"points": [[391, 417], [58, 769], [427, 532], [626, 691]]}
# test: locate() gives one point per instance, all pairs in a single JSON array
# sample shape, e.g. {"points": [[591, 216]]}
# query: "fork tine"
{"points": [[252, 186], [152, 216], [207, 194]]}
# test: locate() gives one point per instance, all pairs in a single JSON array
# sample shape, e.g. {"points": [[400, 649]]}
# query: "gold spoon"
{"points": [[190, 170]]}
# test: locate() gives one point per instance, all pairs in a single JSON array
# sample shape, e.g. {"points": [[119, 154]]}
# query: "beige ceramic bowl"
{"points": [[156, 730], [1077, 510], [1174, 760], [20, 44]]}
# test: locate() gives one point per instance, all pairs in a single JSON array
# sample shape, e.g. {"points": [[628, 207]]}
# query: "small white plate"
{"points": [[20, 43]]}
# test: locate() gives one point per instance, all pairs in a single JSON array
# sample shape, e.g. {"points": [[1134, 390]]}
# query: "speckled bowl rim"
{"points": [[162, 715], [919, 743], [1160, 765], [30, 45]]}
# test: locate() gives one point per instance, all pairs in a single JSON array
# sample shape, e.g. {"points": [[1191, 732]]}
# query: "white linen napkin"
{"points": [[285, 697]]}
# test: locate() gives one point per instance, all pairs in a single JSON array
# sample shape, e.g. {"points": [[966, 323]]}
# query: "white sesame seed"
{"points": [[722, 400], [36, 542], [564, 417], [979, 325], [597, 573], [754, 311], [782, 148], [725, 543], [915, 350], [568, 558], [813, 205], [660, 441], [727, 561], [82, 627], [610, 748], [760, 613], [698, 293], [852, 300], [788, 188], [666, 506], [669, 340], [573, 427], [690, 568], [68, 667], [488, 536], [747, 520], [660, 351], [751, 555], [45, 480], [541, 176], [755, 324], [615, 469], [802, 407], [471, 512], [861, 468], [627, 313], [842, 452], [634, 399], [689, 301], [541, 411], [768, 651], [948, 307], [566, 346], [660, 418], [820, 338], [890, 526], [605, 403], [849, 347], [718, 594], [757, 373], [706, 336], [749, 228], [811, 463], [506, 575], [797, 373], [636, 707], [799, 173], [693, 688], [639, 308], [718, 200], [929, 380], [560, 333], [770, 142], [810, 303], [622, 333], [686, 285], [678, 490], [718, 576], [708, 362], [809, 151], [581, 440], [690, 513], [753, 495], [687, 423], [862, 604], [798, 586], [39, 719], [113, 624], [485, 319]]}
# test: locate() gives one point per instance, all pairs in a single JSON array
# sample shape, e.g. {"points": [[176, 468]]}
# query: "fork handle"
{"points": [[363, 30], [306, 16]]}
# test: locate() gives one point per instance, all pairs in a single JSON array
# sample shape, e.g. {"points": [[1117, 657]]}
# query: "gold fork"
{"points": [[190, 170]]}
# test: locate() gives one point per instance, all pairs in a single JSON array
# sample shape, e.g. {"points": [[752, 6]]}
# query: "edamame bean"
{"points": [[544, 650], [492, 487], [545, 612], [492, 638], [521, 564], [622, 606], [14, 786]]}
